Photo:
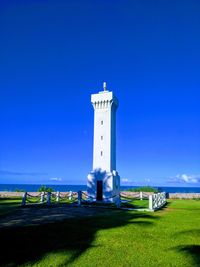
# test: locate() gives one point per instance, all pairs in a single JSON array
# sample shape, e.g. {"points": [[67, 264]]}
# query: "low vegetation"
{"points": [[19, 190], [45, 188], [169, 237], [143, 189]]}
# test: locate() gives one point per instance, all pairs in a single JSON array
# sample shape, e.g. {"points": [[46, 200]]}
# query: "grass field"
{"points": [[169, 237]]}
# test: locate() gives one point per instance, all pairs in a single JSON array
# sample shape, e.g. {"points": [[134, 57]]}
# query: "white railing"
{"points": [[49, 197], [156, 201]]}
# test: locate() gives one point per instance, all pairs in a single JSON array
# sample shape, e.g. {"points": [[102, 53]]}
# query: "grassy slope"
{"points": [[170, 237]]}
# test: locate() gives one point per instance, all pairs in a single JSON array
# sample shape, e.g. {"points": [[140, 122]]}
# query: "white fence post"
{"points": [[70, 195], [118, 201], [151, 202], [165, 197], [79, 198], [42, 197], [48, 198], [159, 200], [24, 199], [57, 196], [141, 196]]}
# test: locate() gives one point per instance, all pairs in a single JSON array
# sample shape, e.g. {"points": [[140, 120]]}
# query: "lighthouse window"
{"points": [[102, 137], [101, 153], [101, 122]]}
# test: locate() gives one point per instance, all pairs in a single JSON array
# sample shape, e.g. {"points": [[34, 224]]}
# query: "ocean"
{"points": [[75, 188]]}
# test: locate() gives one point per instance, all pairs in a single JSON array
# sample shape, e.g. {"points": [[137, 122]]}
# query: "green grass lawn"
{"points": [[169, 237], [136, 204]]}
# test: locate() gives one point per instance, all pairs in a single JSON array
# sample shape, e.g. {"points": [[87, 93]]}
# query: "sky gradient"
{"points": [[55, 54]]}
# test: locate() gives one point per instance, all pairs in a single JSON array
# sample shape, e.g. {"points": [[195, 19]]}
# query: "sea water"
{"points": [[75, 188]]}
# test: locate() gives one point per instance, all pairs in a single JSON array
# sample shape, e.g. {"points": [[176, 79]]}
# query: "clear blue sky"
{"points": [[54, 54]]}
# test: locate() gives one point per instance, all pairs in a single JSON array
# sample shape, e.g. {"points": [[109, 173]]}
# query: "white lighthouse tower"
{"points": [[103, 181]]}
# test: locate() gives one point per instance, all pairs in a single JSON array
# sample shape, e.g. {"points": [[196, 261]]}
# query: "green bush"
{"points": [[143, 189], [44, 188], [19, 190]]}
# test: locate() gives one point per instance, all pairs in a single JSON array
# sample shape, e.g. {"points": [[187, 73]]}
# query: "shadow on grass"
{"points": [[165, 206], [192, 232], [8, 207], [193, 251], [74, 236]]}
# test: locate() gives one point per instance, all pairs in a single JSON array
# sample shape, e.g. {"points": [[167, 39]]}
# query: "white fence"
{"points": [[48, 198], [156, 201]]}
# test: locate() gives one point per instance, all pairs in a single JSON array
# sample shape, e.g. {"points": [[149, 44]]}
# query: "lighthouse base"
{"points": [[103, 186]]}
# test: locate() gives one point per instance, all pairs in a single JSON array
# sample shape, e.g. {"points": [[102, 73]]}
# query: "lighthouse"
{"points": [[103, 183]]}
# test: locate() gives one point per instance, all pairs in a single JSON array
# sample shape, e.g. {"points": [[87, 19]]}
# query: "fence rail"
{"points": [[136, 195], [48, 198]]}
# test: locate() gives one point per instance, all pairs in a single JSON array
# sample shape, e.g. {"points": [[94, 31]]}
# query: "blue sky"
{"points": [[55, 54]]}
